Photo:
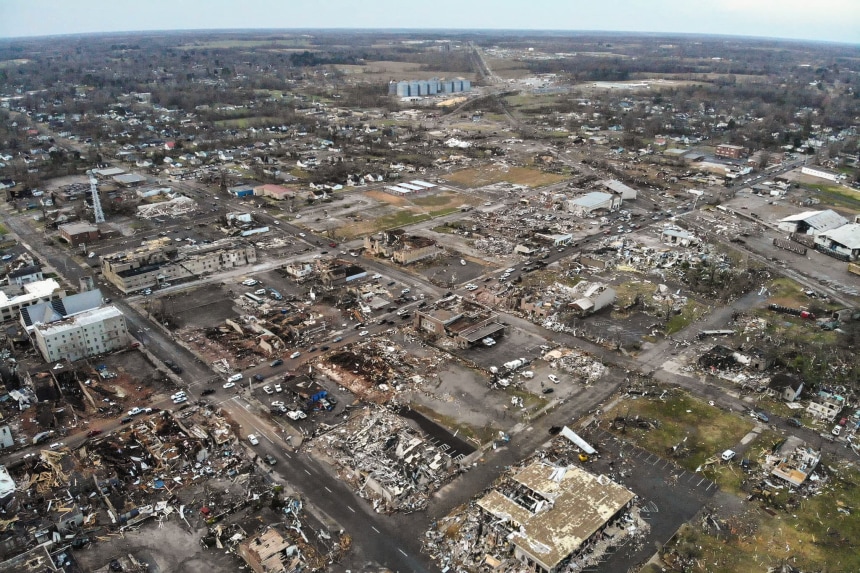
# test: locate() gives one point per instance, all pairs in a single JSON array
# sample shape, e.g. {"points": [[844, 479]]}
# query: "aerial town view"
{"points": [[286, 287]]}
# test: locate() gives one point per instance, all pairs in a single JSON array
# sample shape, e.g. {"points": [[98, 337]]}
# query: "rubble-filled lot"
{"points": [[386, 460], [185, 472]]}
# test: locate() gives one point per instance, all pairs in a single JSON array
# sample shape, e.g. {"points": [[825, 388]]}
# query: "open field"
{"points": [[385, 70], [702, 430], [487, 175]]}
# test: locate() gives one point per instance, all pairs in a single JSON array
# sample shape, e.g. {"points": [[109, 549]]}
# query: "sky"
{"points": [[823, 20]]}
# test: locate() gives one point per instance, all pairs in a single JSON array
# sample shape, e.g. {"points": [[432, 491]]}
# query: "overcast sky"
{"points": [[828, 20]]}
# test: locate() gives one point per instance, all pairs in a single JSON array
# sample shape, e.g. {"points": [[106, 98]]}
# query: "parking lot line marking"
{"points": [[349, 508], [403, 552], [700, 482], [373, 528], [328, 490], [712, 485], [307, 472]]}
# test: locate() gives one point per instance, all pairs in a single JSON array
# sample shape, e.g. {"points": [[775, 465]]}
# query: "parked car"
{"points": [[253, 440], [276, 362], [278, 404], [259, 377], [554, 379], [363, 333], [295, 355], [228, 385], [296, 415], [794, 422], [836, 430], [207, 392], [337, 339], [268, 390], [270, 459], [278, 387], [763, 417], [728, 455], [93, 433], [126, 420]]}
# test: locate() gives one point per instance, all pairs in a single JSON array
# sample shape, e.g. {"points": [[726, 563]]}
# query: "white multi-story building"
{"points": [[11, 303], [87, 334]]}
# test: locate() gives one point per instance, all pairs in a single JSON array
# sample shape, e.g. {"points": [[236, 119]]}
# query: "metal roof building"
{"points": [[812, 222]]}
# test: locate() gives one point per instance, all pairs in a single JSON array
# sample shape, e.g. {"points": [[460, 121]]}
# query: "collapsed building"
{"points": [[387, 460], [400, 247], [159, 261], [466, 323]]}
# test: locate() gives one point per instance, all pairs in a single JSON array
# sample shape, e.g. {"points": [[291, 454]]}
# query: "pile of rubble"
{"points": [[173, 208], [585, 367], [386, 460]]}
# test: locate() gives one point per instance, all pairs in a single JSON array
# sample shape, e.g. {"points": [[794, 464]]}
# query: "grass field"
{"points": [[706, 429], [819, 533], [812, 532], [487, 175], [836, 195]]}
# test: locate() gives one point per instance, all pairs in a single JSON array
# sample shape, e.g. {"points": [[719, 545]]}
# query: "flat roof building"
{"points": [[553, 513], [594, 201], [92, 332], [812, 222], [30, 294]]}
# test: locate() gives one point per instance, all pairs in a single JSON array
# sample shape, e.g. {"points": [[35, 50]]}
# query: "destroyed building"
{"points": [[387, 460], [547, 514], [592, 297], [158, 262], [466, 322], [338, 273], [400, 247], [794, 463]]}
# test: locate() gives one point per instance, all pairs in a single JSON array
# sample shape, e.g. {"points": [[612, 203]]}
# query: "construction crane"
{"points": [[98, 214]]}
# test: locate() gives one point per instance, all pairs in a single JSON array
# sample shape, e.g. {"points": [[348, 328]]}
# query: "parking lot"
{"points": [[670, 495]]}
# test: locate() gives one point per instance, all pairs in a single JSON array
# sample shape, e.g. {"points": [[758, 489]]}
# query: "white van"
{"points": [[234, 378]]}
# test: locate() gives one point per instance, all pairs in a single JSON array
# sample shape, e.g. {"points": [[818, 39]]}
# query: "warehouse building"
{"points": [[812, 222], [843, 241], [423, 88], [592, 202]]}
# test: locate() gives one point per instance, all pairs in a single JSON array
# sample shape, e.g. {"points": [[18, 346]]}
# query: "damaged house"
{"points": [[466, 322]]}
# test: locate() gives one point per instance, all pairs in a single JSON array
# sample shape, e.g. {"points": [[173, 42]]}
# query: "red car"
{"points": [[93, 433], [332, 244]]}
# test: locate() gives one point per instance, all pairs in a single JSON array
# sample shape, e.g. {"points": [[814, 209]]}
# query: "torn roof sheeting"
{"points": [[579, 442], [577, 505]]}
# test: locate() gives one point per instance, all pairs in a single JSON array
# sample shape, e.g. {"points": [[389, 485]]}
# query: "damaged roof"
{"points": [[576, 505]]}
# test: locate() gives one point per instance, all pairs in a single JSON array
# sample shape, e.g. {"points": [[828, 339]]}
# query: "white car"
{"points": [[56, 445], [277, 404], [363, 333], [302, 235], [228, 385], [553, 378], [295, 355], [488, 341], [278, 388], [135, 411], [296, 415], [253, 439], [180, 394], [268, 390], [728, 455], [836, 430], [180, 399]]}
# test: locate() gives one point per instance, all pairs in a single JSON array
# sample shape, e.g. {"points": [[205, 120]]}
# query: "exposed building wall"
{"points": [[77, 340]]}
